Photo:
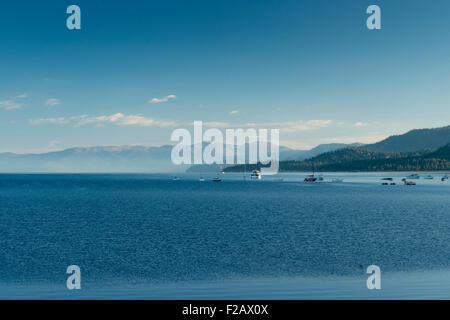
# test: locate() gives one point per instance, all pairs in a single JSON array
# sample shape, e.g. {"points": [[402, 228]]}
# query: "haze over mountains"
{"points": [[94, 159], [119, 159], [157, 159]]}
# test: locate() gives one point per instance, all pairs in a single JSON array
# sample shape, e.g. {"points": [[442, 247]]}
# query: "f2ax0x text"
{"points": [[235, 309]]}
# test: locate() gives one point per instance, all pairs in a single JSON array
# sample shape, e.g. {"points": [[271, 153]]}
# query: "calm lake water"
{"points": [[148, 236]]}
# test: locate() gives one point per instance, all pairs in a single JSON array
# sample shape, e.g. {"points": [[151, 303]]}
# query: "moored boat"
{"points": [[310, 178], [256, 175]]}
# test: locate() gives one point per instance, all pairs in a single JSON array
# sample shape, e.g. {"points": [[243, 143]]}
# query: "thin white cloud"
{"points": [[360, 139], [53, 143], [127, 120], [10, 105], [234, 112], [359, 124], [163, 99], [117, 118], [52, 102], [296, 145], [139, 120], [217, 124], [293, 126], [288, 126], [60, 120], [22, 96]]}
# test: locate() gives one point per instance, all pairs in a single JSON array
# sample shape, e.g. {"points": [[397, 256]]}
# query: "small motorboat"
{"points": [[256, 175], [409, 183], [444, 178], [201, 179], [337, 180], [413, 176], [429, 177], [387, 179], [310, 178], [217, 179], [176, 178]]}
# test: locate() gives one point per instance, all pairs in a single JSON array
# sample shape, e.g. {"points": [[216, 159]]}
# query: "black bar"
{"points": [[224, 309]]}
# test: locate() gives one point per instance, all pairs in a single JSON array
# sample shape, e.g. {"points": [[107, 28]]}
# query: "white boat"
{"points": [[337, 180], [413, 176], [202, 179], [444, 178], [256, 175], [429, 177], [176, 178]]}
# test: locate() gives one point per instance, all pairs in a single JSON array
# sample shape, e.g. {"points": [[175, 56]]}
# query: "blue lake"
{"points": [[148, 236]]}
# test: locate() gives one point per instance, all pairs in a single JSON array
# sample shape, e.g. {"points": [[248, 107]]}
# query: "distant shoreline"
{"points": [[213, 173]]}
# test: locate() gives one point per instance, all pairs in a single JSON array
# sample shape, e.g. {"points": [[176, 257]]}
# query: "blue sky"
{"points": [[310, 68]]}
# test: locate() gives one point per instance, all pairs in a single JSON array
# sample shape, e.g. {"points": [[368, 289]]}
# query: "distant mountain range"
{"points": [[410, 151], [290, 154], [120, 159], [361, 159], [285, 155], [94, 159], [414, 140], [417, 150]]}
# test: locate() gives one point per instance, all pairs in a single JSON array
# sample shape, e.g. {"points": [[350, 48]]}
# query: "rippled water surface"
{"points": [[230, 239]]}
